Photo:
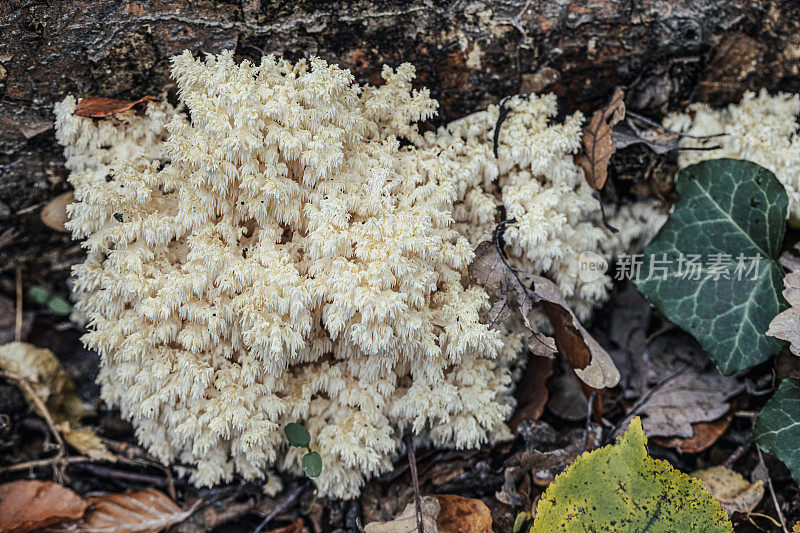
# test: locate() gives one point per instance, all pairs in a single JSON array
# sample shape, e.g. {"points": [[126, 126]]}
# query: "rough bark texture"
{"points": [[469, 53]]}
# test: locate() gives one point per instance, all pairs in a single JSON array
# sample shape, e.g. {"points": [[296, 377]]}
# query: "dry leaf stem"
{"points": [[18, 317], [412, 463], [284, 504], [772, 492]]}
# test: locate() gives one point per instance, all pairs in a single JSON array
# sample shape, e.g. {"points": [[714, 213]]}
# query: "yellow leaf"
{"points": [[87, 442], [621, 488]]}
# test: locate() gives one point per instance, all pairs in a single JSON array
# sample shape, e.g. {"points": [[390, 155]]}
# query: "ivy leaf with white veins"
{"points": [[726, 230], [777, 428]]}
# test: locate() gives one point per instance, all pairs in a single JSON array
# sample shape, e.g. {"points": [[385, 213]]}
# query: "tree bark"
{"points": [[469, 53]]}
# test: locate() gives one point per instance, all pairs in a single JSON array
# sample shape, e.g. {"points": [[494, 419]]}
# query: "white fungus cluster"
{"points": [[761, 128], [535, 178], [291, 263], [277, 255]]}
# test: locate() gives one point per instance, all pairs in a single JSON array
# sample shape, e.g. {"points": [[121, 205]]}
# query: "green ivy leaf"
{"points": [[777, 428], [736, 209], [620, 488], [312, 464], [297, 435]]}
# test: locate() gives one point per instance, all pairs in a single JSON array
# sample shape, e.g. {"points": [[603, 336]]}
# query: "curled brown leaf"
{"points": [[141, 511], [597, 143], [98, 107], [28, 505]]}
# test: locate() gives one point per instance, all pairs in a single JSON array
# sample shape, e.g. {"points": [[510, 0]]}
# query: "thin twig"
{"points": [[772, 491], [502, 115], [669, 326], [170, 483], [290, 497], [57, 461], [28, 391], [133, 477], [643, 400], [589, 419], [611, 228], [18, 319], [412, 463], [737, 454]]}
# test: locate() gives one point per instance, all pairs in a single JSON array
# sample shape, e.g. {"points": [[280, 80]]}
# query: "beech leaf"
{"points": [[730, 219], [532, 390], [141, 511], [29, 505], [99, 107], [597, 144], [620, 488]]}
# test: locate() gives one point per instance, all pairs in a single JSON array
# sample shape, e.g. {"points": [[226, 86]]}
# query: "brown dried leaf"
{"points": [[532, 391], [54, 214], [661, 142], [406, 521], [506, 293], [98, 107], [597, 143], [141, 511], [585, 356], [705, 434], [542, 466], [686, 397], [731, 489], [786, 325], [29, 505], [462, 515]]}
